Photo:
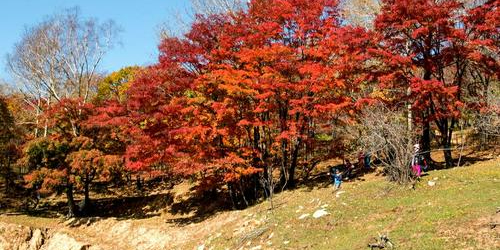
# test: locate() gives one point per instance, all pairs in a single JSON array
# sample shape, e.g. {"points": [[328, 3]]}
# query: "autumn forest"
{"points": [[250, 101]]}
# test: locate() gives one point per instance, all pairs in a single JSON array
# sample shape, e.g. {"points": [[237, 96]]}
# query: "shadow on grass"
{"points": [[324, 180], [194, 207], [197, 208], [137, 207], [465, 160]]}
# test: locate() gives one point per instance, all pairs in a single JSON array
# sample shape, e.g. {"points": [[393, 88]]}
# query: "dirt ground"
{"points": [[179, 219]]}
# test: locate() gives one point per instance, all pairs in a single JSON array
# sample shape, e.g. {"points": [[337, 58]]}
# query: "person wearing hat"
{"points": [[418, 161]]}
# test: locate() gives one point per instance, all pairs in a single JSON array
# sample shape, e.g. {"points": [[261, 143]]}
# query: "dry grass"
{"points": [[453, 214]]}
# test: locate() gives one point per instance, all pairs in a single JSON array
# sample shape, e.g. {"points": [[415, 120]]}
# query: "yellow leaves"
{"points": [[143, 124], [381, 94], [190, 93], [116, 84]]}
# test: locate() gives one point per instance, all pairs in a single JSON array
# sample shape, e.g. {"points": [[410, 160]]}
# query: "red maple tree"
{"points": [[427, 51], [73, 155], [243, 95]]}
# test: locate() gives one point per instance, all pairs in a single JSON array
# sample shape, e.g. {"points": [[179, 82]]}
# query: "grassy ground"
{"points": [[452, 214]]}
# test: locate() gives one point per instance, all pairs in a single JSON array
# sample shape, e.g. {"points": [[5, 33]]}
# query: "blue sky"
{"points": [[139, 20]]}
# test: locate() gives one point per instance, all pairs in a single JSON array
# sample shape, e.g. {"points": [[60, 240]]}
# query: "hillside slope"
{"points": [[448, 209]]}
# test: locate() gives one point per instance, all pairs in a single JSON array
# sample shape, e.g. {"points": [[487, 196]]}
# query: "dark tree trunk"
{"points": [[446, 136], [6, 183], [258, 159], [426, 141], [85, 206], [86, 189], [138, 183], [284, 178], [8, 176], [448, 157], [231, 194], [256, 187], [293, 166], [242, 190], [128, 176], [283, 116], [72, 211], [426, 127]]}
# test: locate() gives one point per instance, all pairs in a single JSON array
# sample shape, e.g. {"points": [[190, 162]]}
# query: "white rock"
{"points": [[37, 239], [300, 209], [431, 183], [200, 247], [64, 241], [256, 247], [339, 193], [286, 242], [303, 216], [320, 213], [271, 235]]}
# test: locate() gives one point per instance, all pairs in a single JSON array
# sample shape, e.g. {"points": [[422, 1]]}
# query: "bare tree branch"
{"points": [[59, 58]]}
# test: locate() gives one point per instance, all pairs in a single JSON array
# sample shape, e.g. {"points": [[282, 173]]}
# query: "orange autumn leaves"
{"points": [[257, 90]]}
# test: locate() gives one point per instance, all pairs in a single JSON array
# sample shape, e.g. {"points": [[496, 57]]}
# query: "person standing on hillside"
{"points": [[336, 178], [418, 161], [367, 160], [349, 168], [361, 159]]}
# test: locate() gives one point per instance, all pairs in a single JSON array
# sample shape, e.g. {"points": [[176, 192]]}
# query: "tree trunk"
{"points": [[8, 176], [284, 165], [72, 212], [46, 126], [409, 112], [6, 182], [87, 190], [283, 117], [426, 141], [231, 194], [138, 183], [446, 136], [85, 205], [448, 157], [426, 127], [242, 190], [293, 166]]}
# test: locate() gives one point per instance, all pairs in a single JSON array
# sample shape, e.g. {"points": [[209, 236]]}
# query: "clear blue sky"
{"points": [[139, 20]]}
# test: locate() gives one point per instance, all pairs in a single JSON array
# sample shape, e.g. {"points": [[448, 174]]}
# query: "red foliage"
{"points": [[245, 92], [240, 94], [76, 151], [440, 52]]}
